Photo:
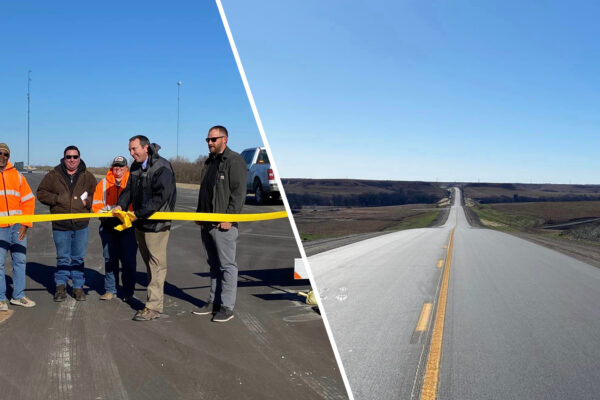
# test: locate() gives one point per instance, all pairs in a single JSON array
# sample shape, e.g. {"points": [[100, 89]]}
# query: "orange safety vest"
{"points": [[107, 193], [16, 197]]}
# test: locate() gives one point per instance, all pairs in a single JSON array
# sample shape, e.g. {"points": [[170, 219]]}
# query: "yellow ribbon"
{"points": [[126, 217]]}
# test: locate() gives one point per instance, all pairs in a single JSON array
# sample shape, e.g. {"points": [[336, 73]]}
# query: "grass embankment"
{"points": [[532, 220], [322, 223], [531, 217], [418, 221], [503, 220]]}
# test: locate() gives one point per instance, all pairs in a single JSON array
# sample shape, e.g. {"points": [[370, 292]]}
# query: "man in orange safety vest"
{"points": [[16, 198], [116, 246]]}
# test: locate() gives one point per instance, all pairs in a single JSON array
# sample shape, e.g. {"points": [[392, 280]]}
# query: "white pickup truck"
{"points": [[261, 179]]}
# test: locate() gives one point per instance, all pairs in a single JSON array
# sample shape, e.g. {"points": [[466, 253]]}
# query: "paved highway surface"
{"points": [[521, 320], [275, 347]]}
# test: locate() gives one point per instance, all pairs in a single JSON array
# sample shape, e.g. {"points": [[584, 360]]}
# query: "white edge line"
{"points": [[283, 196]]}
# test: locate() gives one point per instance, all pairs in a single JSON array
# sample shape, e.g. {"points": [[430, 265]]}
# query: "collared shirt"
{"points": [[145, 163]]}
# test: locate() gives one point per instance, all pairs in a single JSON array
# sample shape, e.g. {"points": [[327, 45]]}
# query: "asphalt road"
{"points": [[275, 347], [522, 321]]}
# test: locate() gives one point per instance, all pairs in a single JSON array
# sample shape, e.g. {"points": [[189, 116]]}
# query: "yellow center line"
{"points": [[424, 318], [440, 263], [430, 382]]}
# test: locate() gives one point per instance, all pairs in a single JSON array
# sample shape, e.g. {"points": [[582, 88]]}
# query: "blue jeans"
{"points": [[119, 246], [9, 241], [70, 256]]}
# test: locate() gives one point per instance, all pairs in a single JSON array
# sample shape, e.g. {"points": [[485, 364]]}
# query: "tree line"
{"points": [[299, 200]]}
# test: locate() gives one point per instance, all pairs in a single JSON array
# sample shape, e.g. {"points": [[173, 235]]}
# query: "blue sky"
{"points": [[411, 90], [105, 71]]}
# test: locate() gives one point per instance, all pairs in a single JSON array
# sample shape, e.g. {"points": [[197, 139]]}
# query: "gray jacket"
{"points": [[229, 193]]}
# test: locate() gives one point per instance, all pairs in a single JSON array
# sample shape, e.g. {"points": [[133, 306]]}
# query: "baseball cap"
{"points": [[4, 146], [119, 161]]}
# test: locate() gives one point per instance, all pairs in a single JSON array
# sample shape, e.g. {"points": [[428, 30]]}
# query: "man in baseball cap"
{"points": [[116, 246]]}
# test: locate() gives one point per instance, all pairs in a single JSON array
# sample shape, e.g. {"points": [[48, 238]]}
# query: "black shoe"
{"points": [[223, 315], [129, 298], [79, 294], [208, 308], [61, 293]]}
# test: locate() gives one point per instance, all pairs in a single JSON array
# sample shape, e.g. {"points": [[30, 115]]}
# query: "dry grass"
{"points": [[321, 222], [550, 212]]}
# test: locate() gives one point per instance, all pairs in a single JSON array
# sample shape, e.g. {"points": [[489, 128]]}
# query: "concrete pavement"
{"points": [[275, 347], [522, 321]]}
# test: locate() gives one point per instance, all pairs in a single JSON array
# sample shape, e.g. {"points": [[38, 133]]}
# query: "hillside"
{"points": [[522, 192], [359, 193]]}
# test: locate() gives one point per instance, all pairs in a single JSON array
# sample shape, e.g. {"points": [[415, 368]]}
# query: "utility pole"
{"points": [[178, 86], [28, 111]]}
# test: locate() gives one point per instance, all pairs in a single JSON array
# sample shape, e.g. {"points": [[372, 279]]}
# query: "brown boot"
{"points": [[79, 294], [146, 315], [61, 293]]}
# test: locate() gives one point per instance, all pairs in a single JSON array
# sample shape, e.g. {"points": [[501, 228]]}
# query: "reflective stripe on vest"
{"points": [[104, 191], [10, 193], [25, 198], [11, 212]]}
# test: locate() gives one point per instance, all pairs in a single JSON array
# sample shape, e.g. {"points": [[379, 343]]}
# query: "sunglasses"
{"points": [[71, 157], [213, 139], [3, 154]]}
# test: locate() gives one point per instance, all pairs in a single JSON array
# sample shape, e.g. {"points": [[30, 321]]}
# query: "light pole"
{"points": [[28, 110], [178, 86]]}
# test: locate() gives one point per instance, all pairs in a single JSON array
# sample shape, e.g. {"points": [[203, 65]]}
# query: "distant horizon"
{"points": [[448, 182], [107, 165]]}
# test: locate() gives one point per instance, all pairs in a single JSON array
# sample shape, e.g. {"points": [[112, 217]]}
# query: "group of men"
{"points": [[148, 187]]}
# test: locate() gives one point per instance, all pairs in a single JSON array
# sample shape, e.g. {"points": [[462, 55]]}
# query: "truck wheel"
{"points": [[259, 195]]}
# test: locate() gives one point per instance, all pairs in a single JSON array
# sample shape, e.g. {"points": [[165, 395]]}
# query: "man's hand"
{"points": [[84, 203], [225, 226], [117, 208], [22, 232]]}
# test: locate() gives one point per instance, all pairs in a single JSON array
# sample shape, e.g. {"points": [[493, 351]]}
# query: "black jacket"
{"points": [[150, 190], [229, 193]]}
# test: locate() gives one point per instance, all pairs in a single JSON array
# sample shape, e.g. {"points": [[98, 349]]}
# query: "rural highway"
{"points": [[276, 346], [519, 320]]}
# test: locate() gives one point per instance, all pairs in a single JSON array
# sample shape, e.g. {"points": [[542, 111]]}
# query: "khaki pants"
{"points": [[153, 248]]}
